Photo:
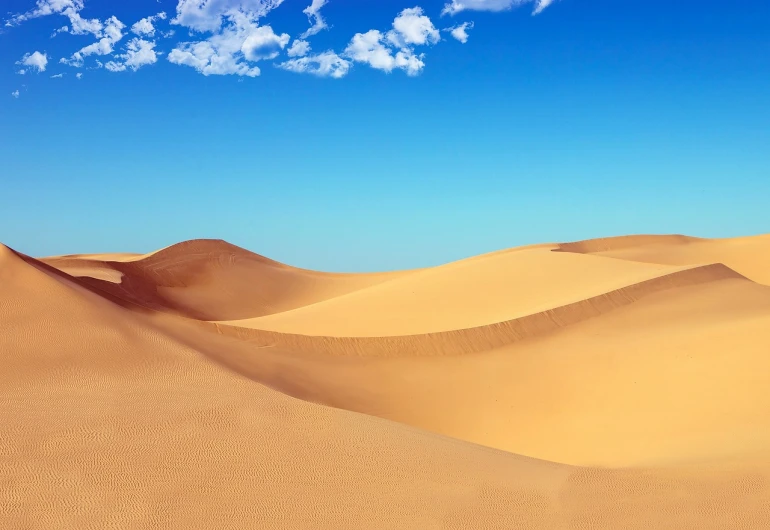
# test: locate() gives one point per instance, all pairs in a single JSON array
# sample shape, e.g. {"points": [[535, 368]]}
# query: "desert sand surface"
{"points": [[618, 383]]}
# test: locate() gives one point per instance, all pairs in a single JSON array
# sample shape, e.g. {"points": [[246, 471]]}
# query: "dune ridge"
{"points": [[624, 393], [603, 244], [487, 337], [748, 255]]}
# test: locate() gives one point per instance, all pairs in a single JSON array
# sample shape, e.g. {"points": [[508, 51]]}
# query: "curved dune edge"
{"points": [[605, 244], [483, 338], [749, 255]]}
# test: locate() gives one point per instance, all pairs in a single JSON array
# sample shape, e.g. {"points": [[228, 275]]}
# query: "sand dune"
{"points": [[616, 383], [211, 280], [469, 293], [749, 256]]}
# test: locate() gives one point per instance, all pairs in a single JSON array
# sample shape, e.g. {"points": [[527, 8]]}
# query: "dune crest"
{"points": [[749, 256], [603, 384], [486, 337], [211, 280]]}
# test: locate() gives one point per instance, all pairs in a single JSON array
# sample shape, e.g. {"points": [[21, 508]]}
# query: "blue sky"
{"points": [[389, 143]]}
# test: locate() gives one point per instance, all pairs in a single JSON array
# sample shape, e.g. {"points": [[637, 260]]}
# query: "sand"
{"points": [[603, 384]]}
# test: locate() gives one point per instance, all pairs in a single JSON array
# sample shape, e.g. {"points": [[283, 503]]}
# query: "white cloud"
{"points": [[299, 48], [263, 43], [370, 48], [44, 8], [139, 52], [69, 8], [111, 32], [146, 27], [83, 26], [460, 32], [326, 64], [394, 49], [209, 59], [57, 76], [34, 60], [313, 12], [79, 75], [542, 4], [411, 26], [15, 94], [209, 15], [63, 29], [456, 6], [230, 49]]}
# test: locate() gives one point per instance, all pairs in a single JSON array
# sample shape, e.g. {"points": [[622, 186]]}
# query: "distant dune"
{"points": [[617, 383]]}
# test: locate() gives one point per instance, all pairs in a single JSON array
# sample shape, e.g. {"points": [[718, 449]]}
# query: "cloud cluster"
{"points": [[232, 47], [139, 52], [46, 7], [108, 33], [372, 48], [395, 48], [68, 8], [228, 37], [210, 15], [386, 51]]}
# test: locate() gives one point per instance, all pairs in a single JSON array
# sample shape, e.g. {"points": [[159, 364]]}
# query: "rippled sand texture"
{"points": [[620, 383]]}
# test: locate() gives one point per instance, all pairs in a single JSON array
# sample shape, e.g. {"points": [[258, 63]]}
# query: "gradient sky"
{"points": [[588, 119]]}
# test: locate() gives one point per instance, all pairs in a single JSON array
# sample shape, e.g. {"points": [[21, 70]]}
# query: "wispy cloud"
{"points": [[313, 12], [210, 15], [44, 8], [63, 29], [457, 6], [326, 64], [15, 94]]}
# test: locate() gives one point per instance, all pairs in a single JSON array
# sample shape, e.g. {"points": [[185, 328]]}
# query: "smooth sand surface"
{"points": [[604, 384]]}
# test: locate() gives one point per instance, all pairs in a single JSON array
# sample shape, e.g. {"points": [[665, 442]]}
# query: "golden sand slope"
{"points": [[748, 255], [210, 280], [641, 386], [465, 294]]}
